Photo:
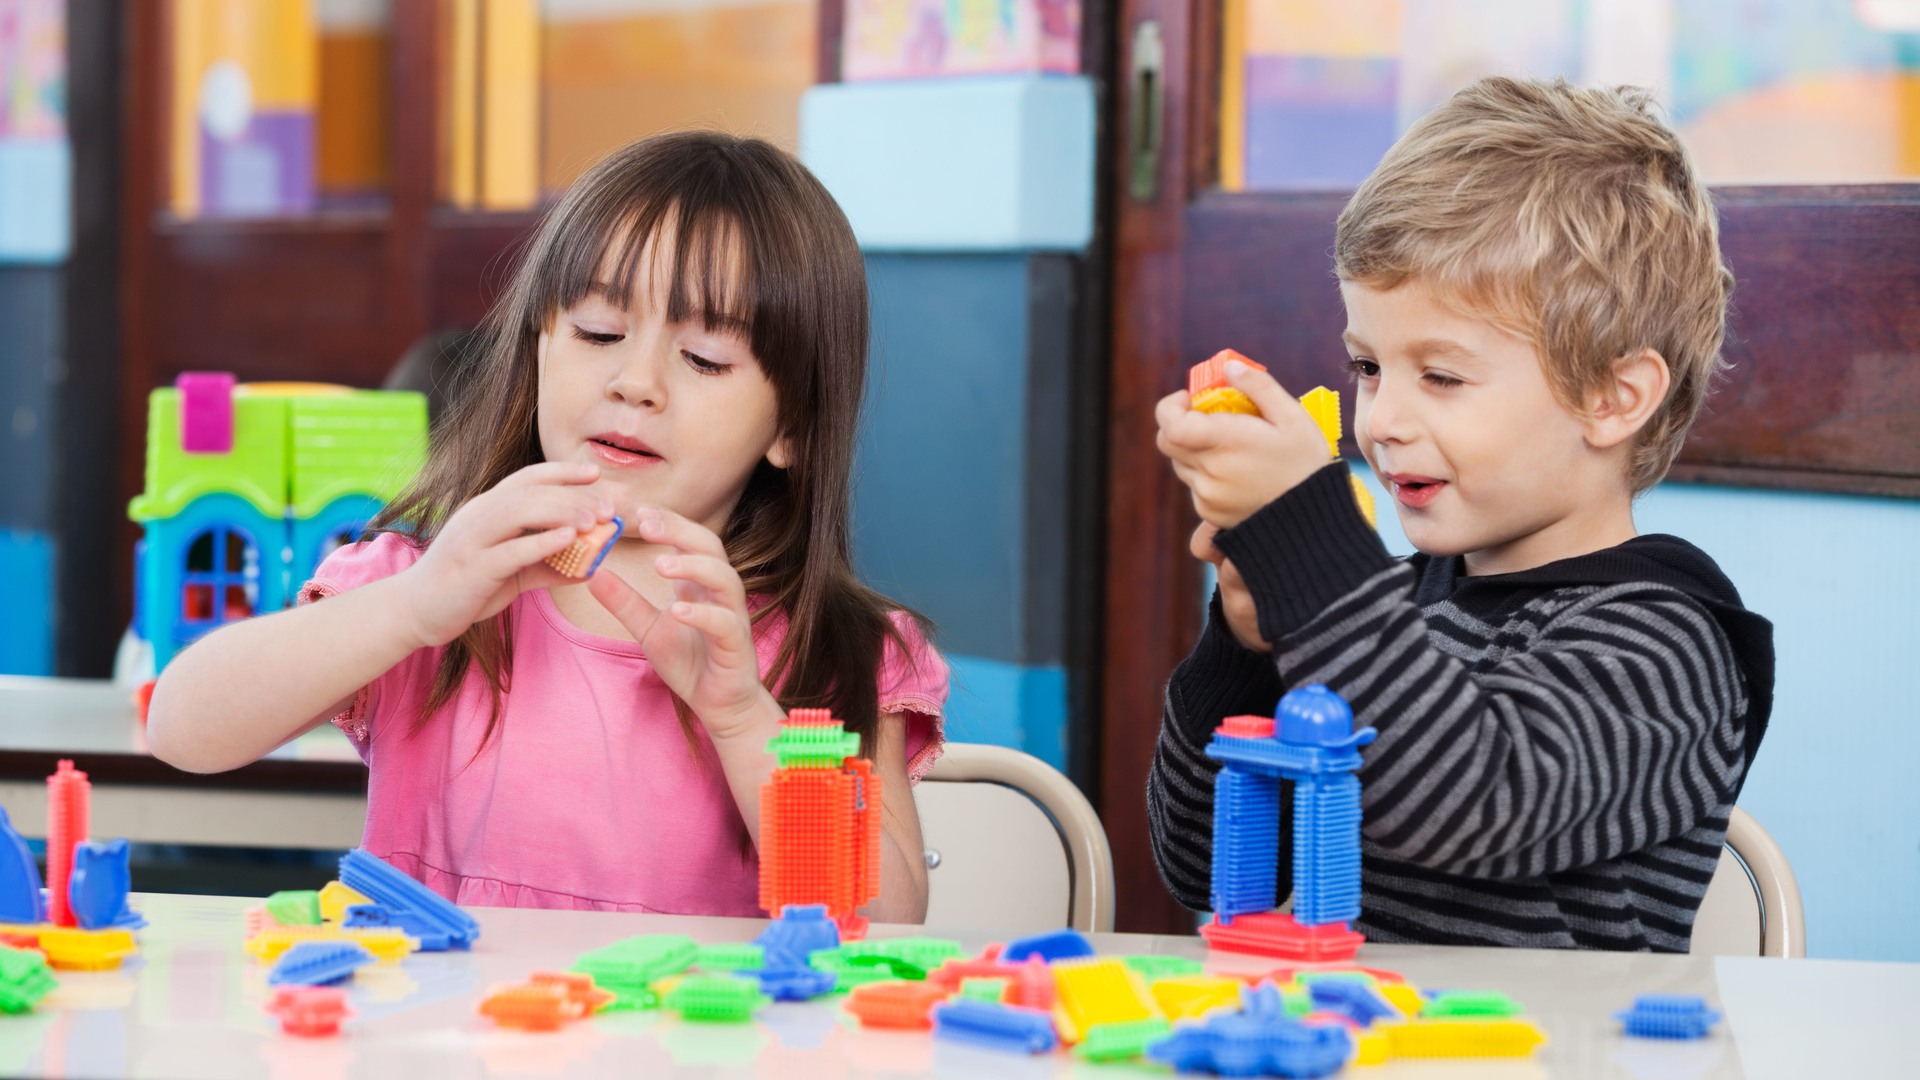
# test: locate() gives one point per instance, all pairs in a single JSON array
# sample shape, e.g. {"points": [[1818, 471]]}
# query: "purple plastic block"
{"points": [[206, 411]]}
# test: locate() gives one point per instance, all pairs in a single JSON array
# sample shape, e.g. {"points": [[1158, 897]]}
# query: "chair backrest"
{"points": [[1012, 845], [1752, 906]]}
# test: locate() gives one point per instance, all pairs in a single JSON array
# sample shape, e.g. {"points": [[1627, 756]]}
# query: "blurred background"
{"points": [[1064, 203]]}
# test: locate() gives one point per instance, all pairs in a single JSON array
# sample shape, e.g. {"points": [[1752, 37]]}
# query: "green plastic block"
{"points": [[637, 961], [295, 908], [744, 956], [255, 469], [369, 442], [813, 746], [1119, 1041], [850, 972], [1298, 1003], [983, 989], [1155, 968], [1477, 1004], [24, 979], [716, 998]]}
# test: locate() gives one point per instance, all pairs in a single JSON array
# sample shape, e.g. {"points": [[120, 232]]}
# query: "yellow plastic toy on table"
{"points": [[1208, 392]]}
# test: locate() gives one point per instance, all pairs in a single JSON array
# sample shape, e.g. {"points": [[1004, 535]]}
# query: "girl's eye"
{"points": [[703, 365], [1362, 368], [593, 338]]}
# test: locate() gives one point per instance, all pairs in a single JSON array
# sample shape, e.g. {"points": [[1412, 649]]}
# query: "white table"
{"points": [[189, 1006], [310, 793]]}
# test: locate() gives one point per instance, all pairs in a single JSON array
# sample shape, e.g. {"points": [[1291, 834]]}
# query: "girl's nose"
{"points": [[638, 382]]}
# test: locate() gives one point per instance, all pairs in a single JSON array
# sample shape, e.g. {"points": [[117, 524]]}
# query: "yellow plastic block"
{"points": [[385, 942], [1098, 992], [1324, 406], [335, 899], [73, 949], [1185, 997], [1370, 1048], [1224, 399], [1462, 1038], [1365, 499], [1403, 997]]}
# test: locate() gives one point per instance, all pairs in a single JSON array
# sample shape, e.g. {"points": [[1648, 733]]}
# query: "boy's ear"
{"points": [[1617, 413], [780, 454]]}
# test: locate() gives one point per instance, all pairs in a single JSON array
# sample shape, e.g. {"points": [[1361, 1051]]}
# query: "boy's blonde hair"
{"points": [[1571, 217]]}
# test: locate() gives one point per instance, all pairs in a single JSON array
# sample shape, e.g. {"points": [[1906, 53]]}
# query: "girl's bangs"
{"points": [[709, 276]]}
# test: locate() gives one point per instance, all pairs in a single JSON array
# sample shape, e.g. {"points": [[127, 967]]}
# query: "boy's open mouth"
{"points": [[1416, 492]]}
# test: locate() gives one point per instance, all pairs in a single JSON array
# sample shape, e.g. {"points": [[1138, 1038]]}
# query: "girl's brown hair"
{"points": [[756, 242]]}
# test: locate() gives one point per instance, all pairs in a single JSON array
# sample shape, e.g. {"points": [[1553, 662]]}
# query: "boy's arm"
{"points": [[1217, 680], [1607, 726]]}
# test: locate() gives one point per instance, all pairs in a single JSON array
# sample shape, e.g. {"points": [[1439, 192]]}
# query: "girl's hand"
{"points": [[491, 550], [1233, 464], [702, 644]]}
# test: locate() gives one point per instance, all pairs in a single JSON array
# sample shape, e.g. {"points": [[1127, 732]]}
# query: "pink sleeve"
{"points": [[913, 681], [347, 568]]}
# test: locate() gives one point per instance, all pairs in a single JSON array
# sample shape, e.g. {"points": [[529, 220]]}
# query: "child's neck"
{"points": [[633, 562], [1593, 528]]}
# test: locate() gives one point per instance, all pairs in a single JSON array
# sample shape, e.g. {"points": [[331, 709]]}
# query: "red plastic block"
{"points": [[68, 797], [1211, 373], [906, 1005], [1030, 983], [1247, 727], [820, 840], [810, 716], [1275, 934], [142, 700], [309, 1010]]}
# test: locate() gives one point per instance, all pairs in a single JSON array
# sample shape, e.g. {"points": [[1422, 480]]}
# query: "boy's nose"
{"points": [[1383, 416]]}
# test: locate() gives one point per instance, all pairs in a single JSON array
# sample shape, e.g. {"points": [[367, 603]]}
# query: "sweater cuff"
{"points": [[1220, 678], [1304, 550]]}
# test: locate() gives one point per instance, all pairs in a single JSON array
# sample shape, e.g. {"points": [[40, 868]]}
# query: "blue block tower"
{"points": [[1310, 741]]}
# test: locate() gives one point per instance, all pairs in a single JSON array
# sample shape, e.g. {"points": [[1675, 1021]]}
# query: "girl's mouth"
{"points": [[621, 452]]}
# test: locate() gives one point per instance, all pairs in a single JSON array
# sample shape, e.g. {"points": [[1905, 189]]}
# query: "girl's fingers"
{"points": [[552, 472], [507, 558], [539, 508], [728, 641], [657, 525], [634, 611], [713, 574]]}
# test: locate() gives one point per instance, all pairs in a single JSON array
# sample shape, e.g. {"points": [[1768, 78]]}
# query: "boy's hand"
{"points": [[491, 550], [1235, 464], [1235, 600], [702, 642]]}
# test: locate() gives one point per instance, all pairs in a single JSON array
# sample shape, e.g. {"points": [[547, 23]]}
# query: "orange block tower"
{"points": [[820, 822]]}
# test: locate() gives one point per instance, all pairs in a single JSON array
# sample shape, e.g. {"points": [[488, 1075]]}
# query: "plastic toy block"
{"points": [[852, 971], [582, 557], [317, 963], [206, 411], [715, 998], [20, 899], [1371, 1047], [1324, 406], [258, 920], [531, 1006], [312, 1011], [97, 890], [24, 979], [413, 904], [795, 983], [1476, 1004], [1058, 945], [1669, 1016], [1224, 399], [335, 899], [578, 987], [1462, 1038], [73, 949], [1403, 997], [820, 823], [809, 743], [994, 990], [896, 1004], [68, 797], [295, 908], [1277, 934], [1185, 997], [1154, 968], [1245, 1044], [636, 961], [994, 1026], [387, 944], [1029, 983], [1246, 843], [1351, 998], [432, 937], [730, 957], [800, 931], [1207, 388], [918, 954], [1097, 991], [1118, 1042]]}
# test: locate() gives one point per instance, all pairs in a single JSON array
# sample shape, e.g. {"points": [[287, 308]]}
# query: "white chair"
{"points": [[1012, 845], [1752, 906]]}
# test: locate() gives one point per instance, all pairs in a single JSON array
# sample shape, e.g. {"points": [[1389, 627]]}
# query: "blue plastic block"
{"points": [[799, 932], [413, 907], [794, 983], [1351, 998], [1669, 1016], [373, 916], [317, 963], [1058, 945], [97, 888], [1246, 843], [1326, 849], [989, 163], [994, 1026], [1259, 1040], [20, 898]]}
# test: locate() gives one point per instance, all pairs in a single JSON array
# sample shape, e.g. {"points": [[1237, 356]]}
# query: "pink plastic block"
{"points": [[206, 411], [1276, 934], [68, 797]]}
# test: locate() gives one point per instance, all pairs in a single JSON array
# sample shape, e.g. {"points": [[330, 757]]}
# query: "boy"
{"points": [[1535, 304]]}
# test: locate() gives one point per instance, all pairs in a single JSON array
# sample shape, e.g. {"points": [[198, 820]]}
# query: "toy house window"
{"points": [[222, 579]]}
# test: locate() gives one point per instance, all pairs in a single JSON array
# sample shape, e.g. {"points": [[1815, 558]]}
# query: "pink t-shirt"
{"points": [[589, 794]]}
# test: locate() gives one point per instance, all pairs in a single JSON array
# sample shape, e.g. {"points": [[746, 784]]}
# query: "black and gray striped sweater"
{"points": [[1559, 748]]}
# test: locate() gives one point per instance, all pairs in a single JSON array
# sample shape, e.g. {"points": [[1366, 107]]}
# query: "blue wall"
{"points": [[1835, 782]]}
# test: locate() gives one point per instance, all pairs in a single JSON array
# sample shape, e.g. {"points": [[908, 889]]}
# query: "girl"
{"points": [[684, 346]]}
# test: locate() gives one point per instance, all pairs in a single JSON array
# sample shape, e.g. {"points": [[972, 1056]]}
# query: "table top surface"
{"points": [[189, 1005], [94, 722]]}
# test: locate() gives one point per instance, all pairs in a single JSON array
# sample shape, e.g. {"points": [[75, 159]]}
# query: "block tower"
{"points": [[1310, 740], [820, 822]]}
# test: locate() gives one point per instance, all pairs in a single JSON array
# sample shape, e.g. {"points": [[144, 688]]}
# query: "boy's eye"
{"points": [[592, 338], [1362, 368], [1442, 380], [704, 365]]}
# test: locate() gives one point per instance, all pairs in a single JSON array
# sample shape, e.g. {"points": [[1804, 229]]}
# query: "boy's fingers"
{"points": [[1267, 393], [1201, 544]]}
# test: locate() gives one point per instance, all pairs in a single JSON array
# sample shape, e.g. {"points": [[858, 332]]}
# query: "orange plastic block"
{"points": [[68, 796], [1030, 983], [74, 949], [532, 1006], [578, 987], [1097, 991], [577, 558], [903, 1004], [385, 942], [820, 838], [1211, 373], [309, 1010]]}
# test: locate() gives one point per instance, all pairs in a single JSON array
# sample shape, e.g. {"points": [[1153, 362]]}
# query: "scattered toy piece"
{"points": [[1669, 1016], [311, 1011], [582, 557]]}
